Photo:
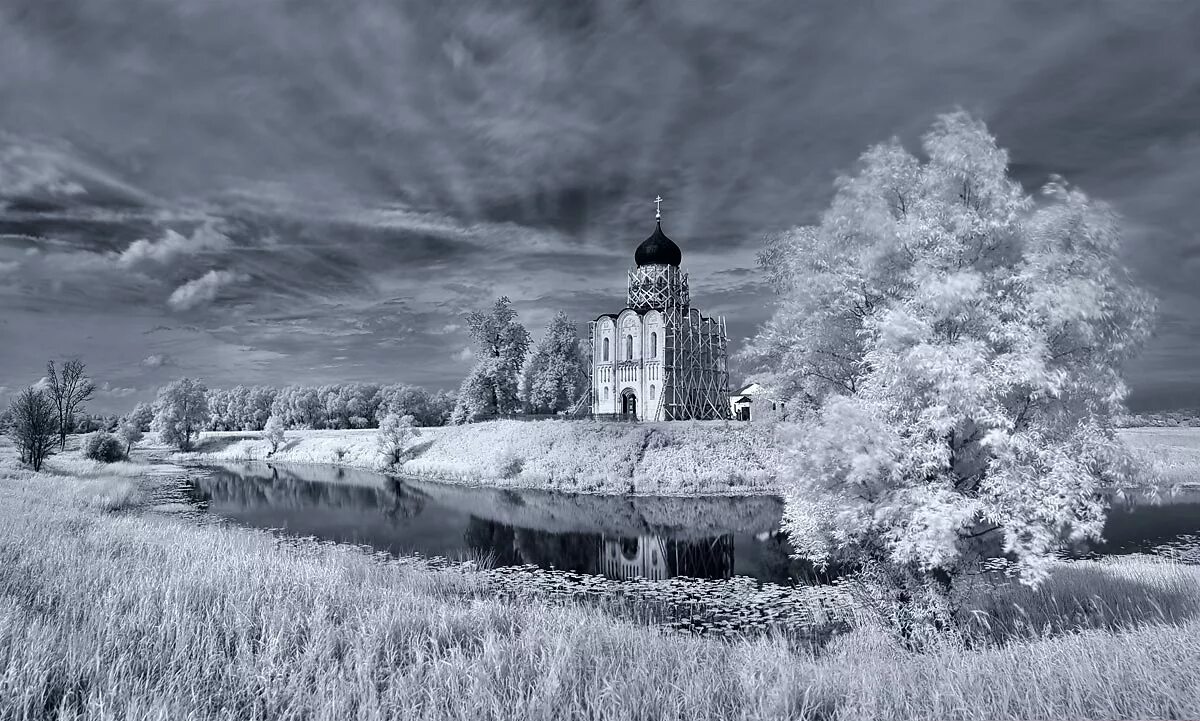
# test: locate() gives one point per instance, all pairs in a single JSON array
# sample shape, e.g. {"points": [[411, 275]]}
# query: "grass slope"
{"points": [[108, 611], [652, 458]]}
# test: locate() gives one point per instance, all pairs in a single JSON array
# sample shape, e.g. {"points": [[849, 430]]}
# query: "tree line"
{"points": [[334, 406], [508, 379], [40, 417]]}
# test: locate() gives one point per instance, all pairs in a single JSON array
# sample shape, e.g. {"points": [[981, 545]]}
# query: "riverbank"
{"points": [[664, 459], [111, 610], [686, 458]]}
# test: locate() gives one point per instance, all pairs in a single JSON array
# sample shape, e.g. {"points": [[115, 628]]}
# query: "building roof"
{"points": [[749, 389], [658, 249]]}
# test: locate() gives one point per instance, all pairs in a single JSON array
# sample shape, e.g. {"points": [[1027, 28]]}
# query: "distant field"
{"points": [[1172, 453]]}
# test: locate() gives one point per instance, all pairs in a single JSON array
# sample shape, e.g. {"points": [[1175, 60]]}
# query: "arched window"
{"points": [[628, 347], [605, 392], [654, 345], [652, 391], [605, 349]]}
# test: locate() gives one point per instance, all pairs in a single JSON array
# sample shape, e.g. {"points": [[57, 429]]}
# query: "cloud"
{"points": [[115, 392], [158, 360], [465, 354], [202, 290], [172, 246], [456, 152], [27, 169]]}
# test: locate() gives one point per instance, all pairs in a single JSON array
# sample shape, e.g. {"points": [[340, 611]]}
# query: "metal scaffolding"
{"points": [[695, 370]]}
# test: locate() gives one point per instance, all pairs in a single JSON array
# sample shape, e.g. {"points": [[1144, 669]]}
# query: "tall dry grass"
{"points": [[132, 615]]}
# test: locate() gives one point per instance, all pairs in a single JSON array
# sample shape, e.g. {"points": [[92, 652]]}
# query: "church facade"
{"points": [[659, 358]]}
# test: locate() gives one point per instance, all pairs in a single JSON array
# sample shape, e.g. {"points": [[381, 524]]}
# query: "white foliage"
{"points": [[180, 411], [396, 434], [961, 346], [273, 432], [141, 416], [491, 388], [557, 372], [130, 430]]}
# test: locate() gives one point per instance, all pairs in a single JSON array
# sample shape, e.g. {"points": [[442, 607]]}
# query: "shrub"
{"points": [[509, 464], [103, 447]]}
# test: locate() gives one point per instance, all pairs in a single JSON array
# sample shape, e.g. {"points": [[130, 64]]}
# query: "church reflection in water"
{"points": [[648, 556], [657, 558]]}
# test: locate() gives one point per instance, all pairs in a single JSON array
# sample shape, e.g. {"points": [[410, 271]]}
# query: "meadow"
{"points": [[112, 609]]}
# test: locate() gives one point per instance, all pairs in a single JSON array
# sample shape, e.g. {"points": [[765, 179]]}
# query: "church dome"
{"points": [[658, 249]]}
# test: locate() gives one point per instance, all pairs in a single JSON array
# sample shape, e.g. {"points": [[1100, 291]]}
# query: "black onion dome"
{"points": [[658, 249]]}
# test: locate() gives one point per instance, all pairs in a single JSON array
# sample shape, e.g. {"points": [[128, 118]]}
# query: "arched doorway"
{"points": [[629, 403]]}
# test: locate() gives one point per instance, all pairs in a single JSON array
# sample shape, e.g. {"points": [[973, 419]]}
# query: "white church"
{"points": [[659, 358]]}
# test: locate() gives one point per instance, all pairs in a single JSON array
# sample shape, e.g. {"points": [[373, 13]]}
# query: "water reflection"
{"points": [[654, 538], [620, 538]]}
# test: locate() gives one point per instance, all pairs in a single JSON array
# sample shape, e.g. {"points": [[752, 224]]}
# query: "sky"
{"points": [[290, 191]]}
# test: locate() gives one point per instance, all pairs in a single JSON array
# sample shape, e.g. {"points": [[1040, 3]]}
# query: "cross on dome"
{"points": [[658, 207]]}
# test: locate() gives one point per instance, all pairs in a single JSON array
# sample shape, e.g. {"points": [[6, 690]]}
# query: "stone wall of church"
{"points": [[627, 358]]}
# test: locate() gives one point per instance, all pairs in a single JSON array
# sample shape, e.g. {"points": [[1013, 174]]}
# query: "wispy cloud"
{"points": [[33, 170], [202, 290], [116, 392]]}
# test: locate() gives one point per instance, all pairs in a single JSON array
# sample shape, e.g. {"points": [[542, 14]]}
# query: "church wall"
{"points": [[603, 371], [612, 377]]}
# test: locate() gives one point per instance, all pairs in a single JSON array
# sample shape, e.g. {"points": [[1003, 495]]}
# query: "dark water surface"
{"points": [[655, 538]]}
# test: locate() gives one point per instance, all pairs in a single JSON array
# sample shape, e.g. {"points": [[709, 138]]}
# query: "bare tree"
{"points": [[33, 424], [68, 391]]}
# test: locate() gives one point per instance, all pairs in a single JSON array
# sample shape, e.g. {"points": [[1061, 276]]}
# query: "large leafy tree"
{"points": [[501, 342], [180, 412], [556, 374], [959, 346]]}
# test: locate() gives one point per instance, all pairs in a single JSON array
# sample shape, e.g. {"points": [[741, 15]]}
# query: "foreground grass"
{"points": [[110, 612]]}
